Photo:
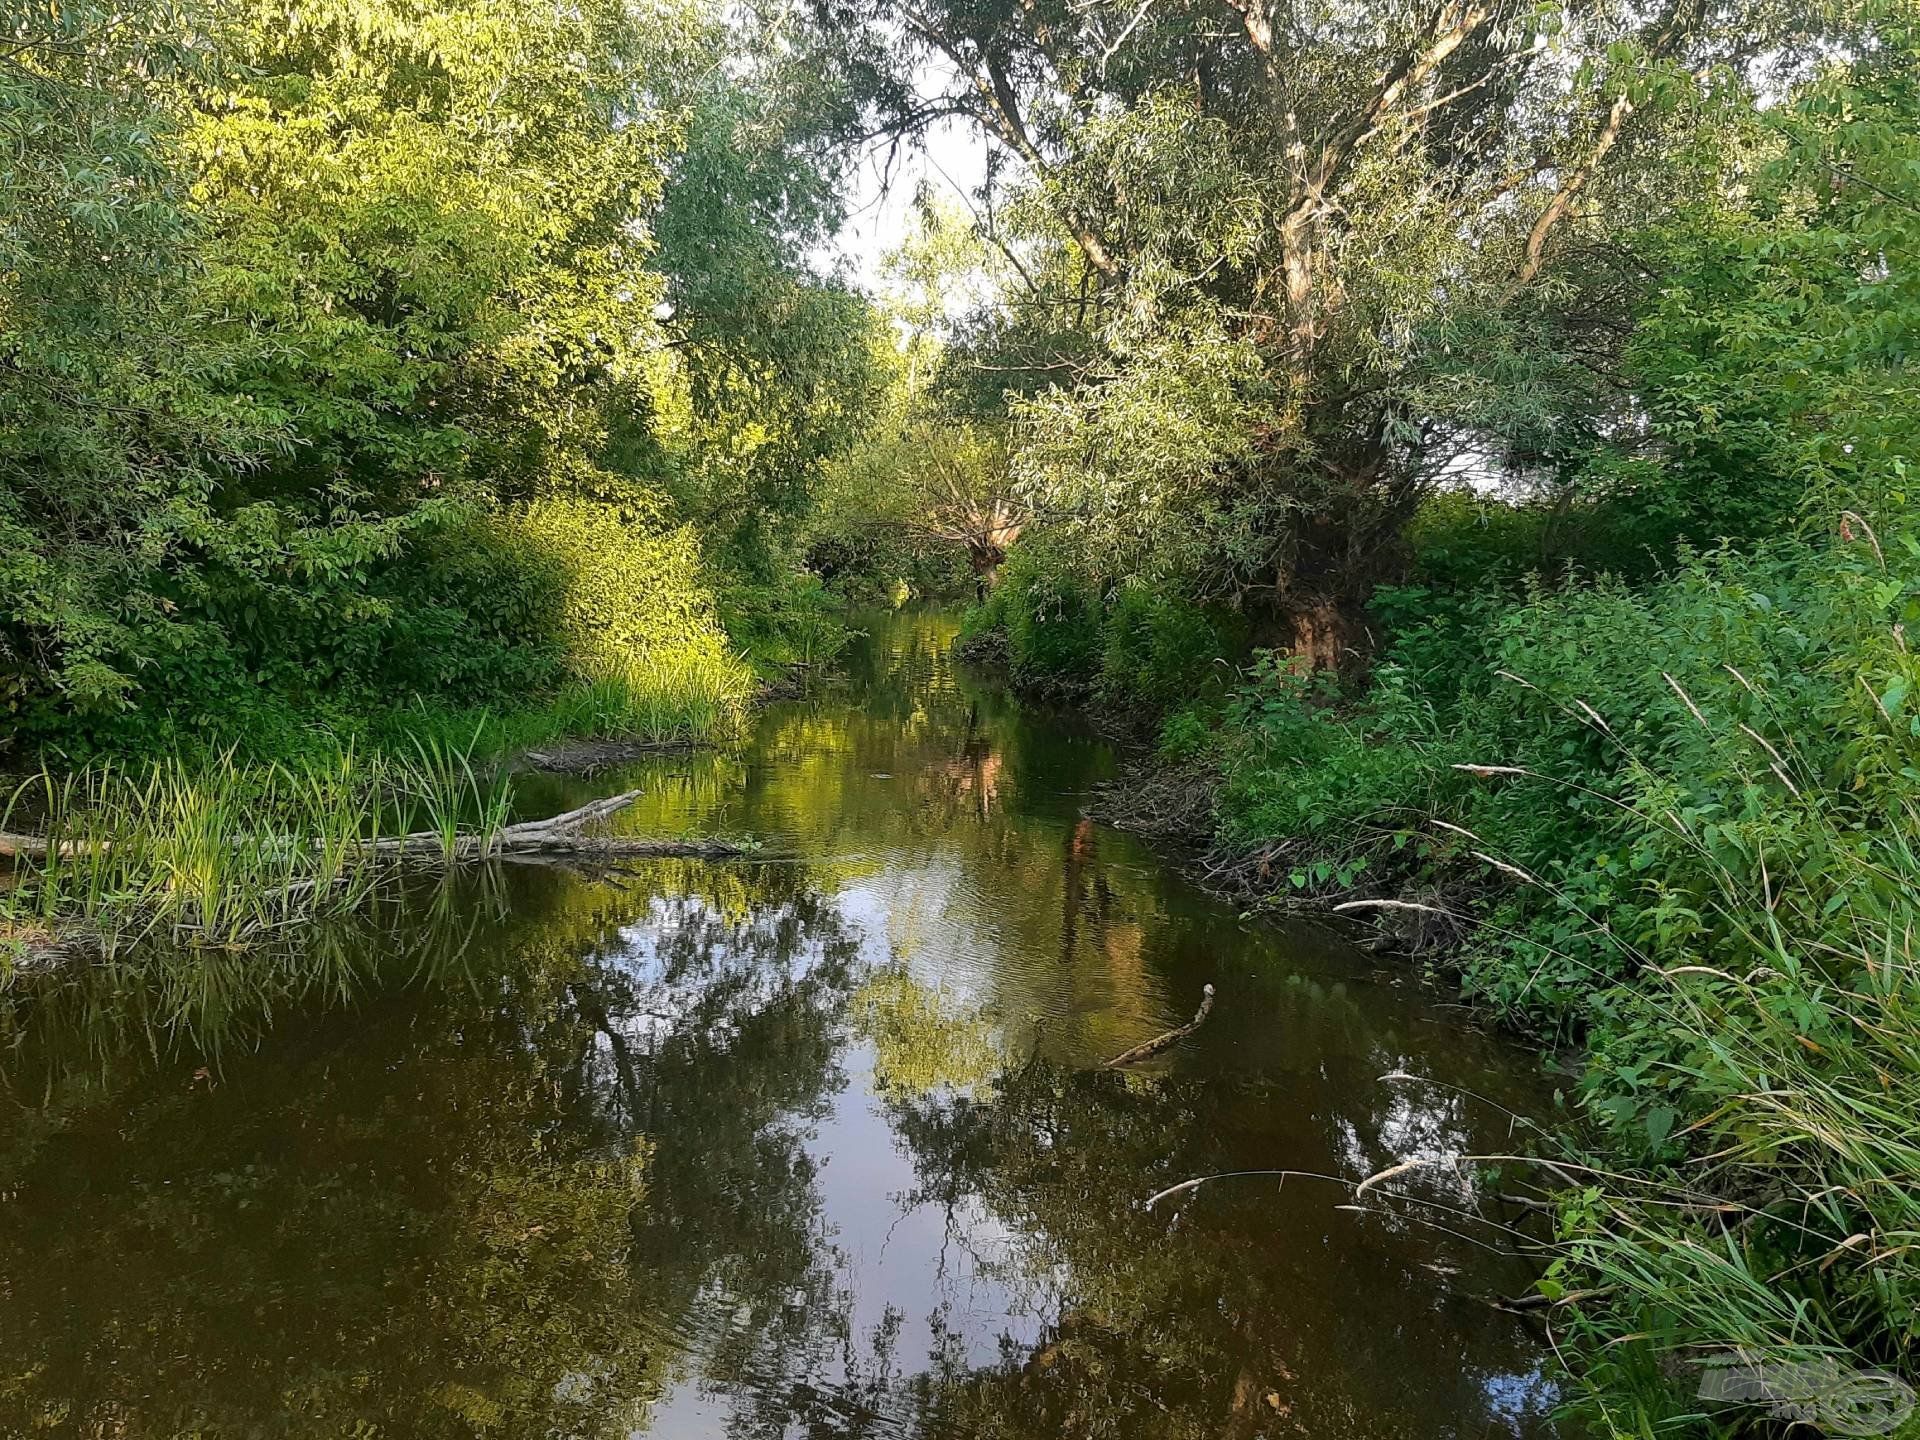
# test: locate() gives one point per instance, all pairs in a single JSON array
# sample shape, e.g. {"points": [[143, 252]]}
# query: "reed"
{"points": [[223, 852], [1759, 1083], [660, 698], [451, 793]]}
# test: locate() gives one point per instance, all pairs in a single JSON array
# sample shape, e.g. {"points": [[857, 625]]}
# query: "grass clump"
{"points": [[1770, 1104], [222, 852], [223, 849], [665, 699]]}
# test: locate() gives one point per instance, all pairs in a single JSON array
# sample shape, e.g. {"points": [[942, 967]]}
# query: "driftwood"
{"points": [[559, 835], [1165, 1041], [33, 847], [587, 758]]}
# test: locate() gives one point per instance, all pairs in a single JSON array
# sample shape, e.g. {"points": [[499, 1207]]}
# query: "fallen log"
{"points": [[558, 835], [35, 847], [1167, 1040], [587, 758]]}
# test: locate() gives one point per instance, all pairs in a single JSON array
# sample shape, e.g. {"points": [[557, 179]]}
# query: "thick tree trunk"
{"points": [[986, 560], [1323, 634]]}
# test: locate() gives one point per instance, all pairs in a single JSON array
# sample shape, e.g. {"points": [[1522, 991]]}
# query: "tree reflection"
{"points": [[920, 1044], [469, 1206], [1258, 1312]]}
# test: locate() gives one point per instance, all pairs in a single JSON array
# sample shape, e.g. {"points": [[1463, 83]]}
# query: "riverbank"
{"points": [[227, 835], [1692, 860], [226, 850]]}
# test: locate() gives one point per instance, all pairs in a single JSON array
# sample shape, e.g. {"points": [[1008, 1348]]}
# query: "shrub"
{"points": [[1682, 816], [628, 592], [1161, 649], [1130, 647], [467, 610]]}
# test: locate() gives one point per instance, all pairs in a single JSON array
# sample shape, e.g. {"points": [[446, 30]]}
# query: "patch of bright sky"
{"points": [[950, 161]]}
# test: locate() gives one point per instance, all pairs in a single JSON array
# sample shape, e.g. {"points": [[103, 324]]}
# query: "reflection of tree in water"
{"points": [[722, 1046], [920, 1042], [451, 1209], [1233, 1317], [967, 778]]}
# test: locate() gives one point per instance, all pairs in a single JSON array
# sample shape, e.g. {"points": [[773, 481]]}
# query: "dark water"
{"points": [[811, 1145]]}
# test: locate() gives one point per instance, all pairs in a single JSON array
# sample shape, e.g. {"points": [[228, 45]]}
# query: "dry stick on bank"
{"points": [[1164, 1041]]}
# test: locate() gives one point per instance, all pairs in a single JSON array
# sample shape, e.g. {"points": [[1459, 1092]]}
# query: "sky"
{"points": [[952, 162]]}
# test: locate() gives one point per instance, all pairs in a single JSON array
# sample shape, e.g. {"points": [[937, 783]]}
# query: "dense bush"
{"points": [[887, 564], [313, 401], [1575, 725], [1675, 820], [628, 592], [469, 609], [1131, 647]]}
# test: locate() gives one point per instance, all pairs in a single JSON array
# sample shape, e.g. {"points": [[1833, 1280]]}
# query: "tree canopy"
{"points": [[1319, 254], [290, 297]]}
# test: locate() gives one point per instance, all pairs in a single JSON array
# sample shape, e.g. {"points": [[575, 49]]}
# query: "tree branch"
{"points": [[1672, 27]]}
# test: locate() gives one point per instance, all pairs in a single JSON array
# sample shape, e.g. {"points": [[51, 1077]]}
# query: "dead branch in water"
{"points": [[587, 758], [559, 835], [1172, 1037]]}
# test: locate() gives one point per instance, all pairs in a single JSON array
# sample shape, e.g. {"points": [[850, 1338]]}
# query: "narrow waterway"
{"points": [[813, 1144]]}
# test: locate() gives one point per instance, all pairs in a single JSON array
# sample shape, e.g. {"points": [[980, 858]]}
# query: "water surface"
{"points": [[814, 1144]]}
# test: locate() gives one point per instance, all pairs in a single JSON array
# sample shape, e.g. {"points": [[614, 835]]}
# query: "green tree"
{"points": [[306, 306], [929, 475], [1324, 252], [770, 362], [112, 425]]}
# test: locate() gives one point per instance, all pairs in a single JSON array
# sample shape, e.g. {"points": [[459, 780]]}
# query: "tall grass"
{"points": [[1774, 1213], [448, 792], [223, 852], [681, 696]]}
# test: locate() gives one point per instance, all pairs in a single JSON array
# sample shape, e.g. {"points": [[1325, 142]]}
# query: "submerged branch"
{"points": [[1167, 1040]]}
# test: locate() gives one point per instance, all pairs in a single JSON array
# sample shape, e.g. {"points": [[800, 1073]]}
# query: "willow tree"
{"points": [[932, 473], [1328, 249]]}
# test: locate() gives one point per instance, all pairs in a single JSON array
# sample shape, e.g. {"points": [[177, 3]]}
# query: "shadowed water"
{"points": [[814, 1144]]}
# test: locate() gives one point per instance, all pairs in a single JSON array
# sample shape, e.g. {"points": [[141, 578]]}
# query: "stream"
{"points": [[817, 1143]]}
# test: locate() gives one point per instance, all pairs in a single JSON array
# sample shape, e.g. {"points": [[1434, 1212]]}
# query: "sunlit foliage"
{"points": [[296, 299], [1314, 255]]}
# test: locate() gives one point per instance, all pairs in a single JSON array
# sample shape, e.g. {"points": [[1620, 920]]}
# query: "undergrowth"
{"points": [[1674, 821], [223, 848], [223, 852]]}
